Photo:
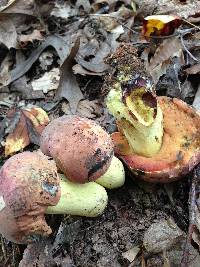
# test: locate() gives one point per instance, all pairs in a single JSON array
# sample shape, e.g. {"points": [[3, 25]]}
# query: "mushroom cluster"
{"points": [[31, 186], [158, 137]]}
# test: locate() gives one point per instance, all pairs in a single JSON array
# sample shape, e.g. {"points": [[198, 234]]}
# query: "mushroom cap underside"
{"points": [[180, 150]]}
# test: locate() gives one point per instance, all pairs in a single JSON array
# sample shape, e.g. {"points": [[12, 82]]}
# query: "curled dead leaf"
{"points": [[163, 56], [8, 34], [27, 129], [25, 38], [160, 25], [193, 69], [68, 87], [49, 81]]}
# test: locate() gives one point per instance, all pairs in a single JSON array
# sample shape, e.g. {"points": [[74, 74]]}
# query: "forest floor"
{"points": [[144, 224]]}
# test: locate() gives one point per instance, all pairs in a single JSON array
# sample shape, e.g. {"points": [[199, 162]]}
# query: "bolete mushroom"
{"points": [[159, 137], [30, 187], [114, 176], [82, 150]]}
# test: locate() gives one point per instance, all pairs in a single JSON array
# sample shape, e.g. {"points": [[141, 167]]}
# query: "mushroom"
{"points": [[158, 137], [30, 187], [114, 176], [81, 148]]}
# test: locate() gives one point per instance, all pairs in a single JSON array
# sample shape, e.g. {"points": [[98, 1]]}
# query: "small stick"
{"points": [[192, 217], [185, 48]]}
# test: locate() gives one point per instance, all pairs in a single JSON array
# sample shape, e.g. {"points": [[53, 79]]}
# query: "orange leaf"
{"points": [[160, 25], [27, 130]]}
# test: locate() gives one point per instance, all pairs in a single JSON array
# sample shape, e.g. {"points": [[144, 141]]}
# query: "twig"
{"points": [[192, 217], [185, 48], [190, 23], [3, 249]]}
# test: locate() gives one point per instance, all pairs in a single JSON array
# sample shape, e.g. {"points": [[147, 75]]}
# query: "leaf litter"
{"points": [[45, 73]]}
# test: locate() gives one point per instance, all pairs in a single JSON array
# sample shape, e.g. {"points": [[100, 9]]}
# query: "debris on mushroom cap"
{"points": [[29, 183], [180, 150], [81, 148]]}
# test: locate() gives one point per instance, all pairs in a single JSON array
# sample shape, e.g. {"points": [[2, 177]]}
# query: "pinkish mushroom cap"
{"points": [[29, 183], [81, 148]]}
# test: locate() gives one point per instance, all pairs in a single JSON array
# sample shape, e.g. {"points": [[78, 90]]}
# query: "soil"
{"points": [[101, 241]]}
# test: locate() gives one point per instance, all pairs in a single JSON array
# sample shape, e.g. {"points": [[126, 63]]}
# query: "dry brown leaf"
{"points": [[131, 254], [4, 7], [96, 64], [8, 34], [68, 87], [49, 81], [111, 21], [4, 71], [19, 7], [183, 9], [25, 38], [78, 69], [162, 57], [160, 25], [64, 11], [193, 70], [86, 108], [61, 46], [169, 48], [25, 89], [196, 102], [26, 129]]}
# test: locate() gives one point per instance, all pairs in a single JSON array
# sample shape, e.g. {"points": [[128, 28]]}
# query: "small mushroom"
{"points": [[180, 150], [81, 148], [30, 187], [159, 137]]}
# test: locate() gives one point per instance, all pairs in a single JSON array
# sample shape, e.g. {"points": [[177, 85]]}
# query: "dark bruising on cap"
{"points": [[97, 161]]}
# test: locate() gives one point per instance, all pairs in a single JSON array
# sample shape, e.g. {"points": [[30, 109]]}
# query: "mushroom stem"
{"points": [[89, 199], [114, 176], [132, 101], [142, 129]]}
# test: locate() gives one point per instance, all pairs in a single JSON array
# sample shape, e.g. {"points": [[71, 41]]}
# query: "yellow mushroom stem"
{"points": [[89, 199], [140, 120], [114, 176]]}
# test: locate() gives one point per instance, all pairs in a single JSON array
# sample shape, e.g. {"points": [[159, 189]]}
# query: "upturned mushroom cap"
{"points": [[81, 148], [29, 183], [180, 150]]}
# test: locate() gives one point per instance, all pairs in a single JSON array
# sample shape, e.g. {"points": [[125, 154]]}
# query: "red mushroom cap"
{"points": [[29, 183], [81, 148], [180, 150]]}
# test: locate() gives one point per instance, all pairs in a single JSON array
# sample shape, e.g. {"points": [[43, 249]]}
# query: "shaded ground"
{"points": [[101, 241]]}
